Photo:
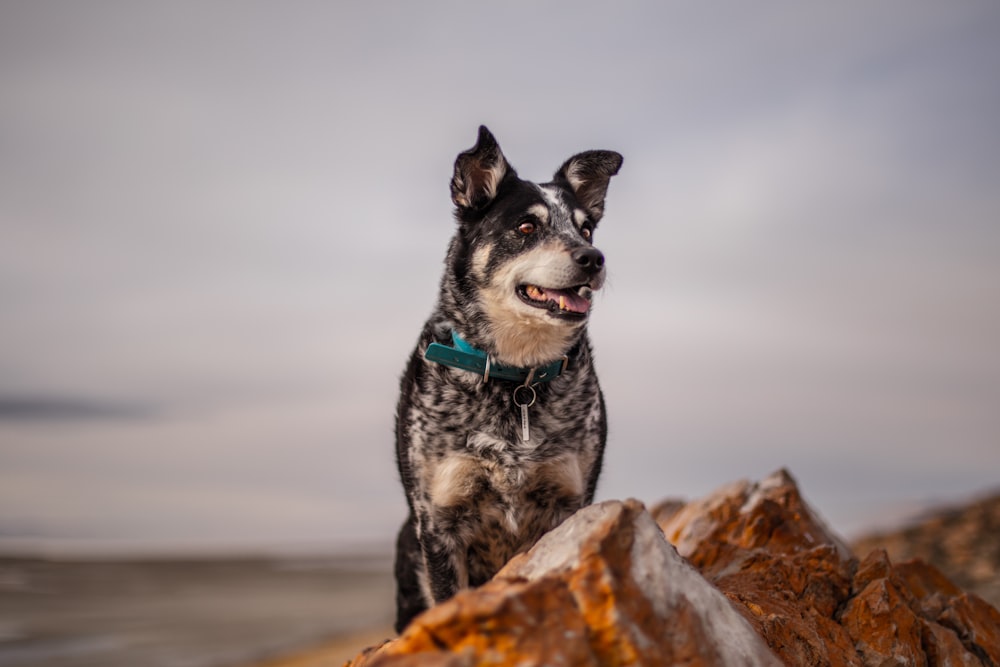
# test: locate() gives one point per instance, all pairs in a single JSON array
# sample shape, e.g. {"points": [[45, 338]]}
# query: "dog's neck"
{"points": [[529, 342], [524, 342], [460, 354]]}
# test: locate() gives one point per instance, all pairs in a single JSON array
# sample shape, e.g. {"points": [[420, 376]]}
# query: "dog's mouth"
{"points": [[570, 302]]}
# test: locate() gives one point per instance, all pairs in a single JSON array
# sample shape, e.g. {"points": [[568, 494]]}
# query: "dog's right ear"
{"points": [[478, 173]]}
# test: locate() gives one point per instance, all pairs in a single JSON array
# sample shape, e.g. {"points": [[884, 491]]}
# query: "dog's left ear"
{"points": [[587, 175], [478, 173]]}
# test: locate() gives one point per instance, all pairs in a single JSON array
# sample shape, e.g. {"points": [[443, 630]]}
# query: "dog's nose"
{"points": [[589, 259]]}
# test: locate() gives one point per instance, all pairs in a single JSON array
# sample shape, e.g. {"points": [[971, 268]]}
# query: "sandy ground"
{"points": [[333, 653], [208, 613]]}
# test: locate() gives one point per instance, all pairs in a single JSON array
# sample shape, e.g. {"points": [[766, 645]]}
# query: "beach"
{"points": [[332, 653], [214, 612]]}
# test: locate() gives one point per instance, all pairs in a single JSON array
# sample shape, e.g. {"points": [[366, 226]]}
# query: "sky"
{"points": [[223, 225]]}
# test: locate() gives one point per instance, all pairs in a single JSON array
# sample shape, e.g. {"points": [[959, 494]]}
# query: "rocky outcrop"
{"points": [[604, 588], [963, 542], [809, 597], [747, 576]]}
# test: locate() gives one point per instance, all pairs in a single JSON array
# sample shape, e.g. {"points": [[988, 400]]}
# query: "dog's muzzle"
{"points": [[572, 301]]}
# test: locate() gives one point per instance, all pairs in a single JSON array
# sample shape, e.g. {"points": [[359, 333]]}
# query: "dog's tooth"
{"points": [[562, 302]]}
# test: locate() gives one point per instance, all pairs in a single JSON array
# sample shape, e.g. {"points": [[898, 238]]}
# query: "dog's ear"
{"points": [[478, 173], [587, 175]]}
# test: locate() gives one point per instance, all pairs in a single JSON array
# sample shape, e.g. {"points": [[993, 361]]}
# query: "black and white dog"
{"points": [[500, 426]]}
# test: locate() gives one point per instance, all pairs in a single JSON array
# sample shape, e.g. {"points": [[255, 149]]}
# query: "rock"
{"points": [[645, 603], [809, 597], [977, 624], [604, 588], [944, 649], [741, 517], [766, 549], [755, 578], [884, 629], [963, 542]]}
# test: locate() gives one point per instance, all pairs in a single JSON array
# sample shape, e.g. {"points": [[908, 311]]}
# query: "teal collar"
{"points": [[468, 358]]}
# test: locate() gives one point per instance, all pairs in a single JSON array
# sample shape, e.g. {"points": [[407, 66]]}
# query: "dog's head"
{"points": [[523, 264]]}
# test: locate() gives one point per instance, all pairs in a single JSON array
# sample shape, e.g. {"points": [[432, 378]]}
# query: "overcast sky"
{"points": [[223, 225]]}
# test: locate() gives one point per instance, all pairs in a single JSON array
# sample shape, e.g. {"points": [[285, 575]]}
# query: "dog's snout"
{"points": [[589, 259]]}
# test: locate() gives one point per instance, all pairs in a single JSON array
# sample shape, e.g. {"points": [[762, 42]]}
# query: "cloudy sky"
{"points": [[223, 225]]}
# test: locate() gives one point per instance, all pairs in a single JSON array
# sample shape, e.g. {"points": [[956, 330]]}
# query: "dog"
{"points": [[500, 425]]}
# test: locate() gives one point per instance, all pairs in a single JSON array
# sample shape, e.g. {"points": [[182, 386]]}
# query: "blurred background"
{"points": [[223, 225]]}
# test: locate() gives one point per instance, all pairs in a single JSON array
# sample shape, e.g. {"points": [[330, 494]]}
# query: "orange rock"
{"points": [[766, 549], [791, 601], [945, 649], [770, 515], [606, 588], [884, 628], [977, 624], [643, 603], [501, 623]]}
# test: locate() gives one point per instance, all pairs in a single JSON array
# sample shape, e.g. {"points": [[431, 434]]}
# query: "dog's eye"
{"points": [[526, 227], [587, 233]]}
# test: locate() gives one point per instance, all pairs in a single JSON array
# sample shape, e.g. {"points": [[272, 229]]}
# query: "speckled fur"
{"points": [[477, 492]]}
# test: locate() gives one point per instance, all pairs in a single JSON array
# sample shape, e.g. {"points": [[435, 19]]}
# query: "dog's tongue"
{"points": [[567, 300]]}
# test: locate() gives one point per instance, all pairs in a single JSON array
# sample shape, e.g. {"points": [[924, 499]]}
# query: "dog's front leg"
{"points": [[444, 560]]}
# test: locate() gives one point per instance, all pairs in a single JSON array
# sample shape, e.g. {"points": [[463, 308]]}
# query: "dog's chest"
{"points": [[490, 469], [498, 502]]}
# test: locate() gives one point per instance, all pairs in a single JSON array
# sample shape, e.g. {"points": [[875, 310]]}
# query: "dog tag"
{"points": [[525, 402], [525, 430]]}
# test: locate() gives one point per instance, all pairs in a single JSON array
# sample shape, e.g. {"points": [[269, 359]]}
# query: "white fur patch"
{"points": [[454, 480], [485, 444], [562, 217], [565, 474], [554, 199]]}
